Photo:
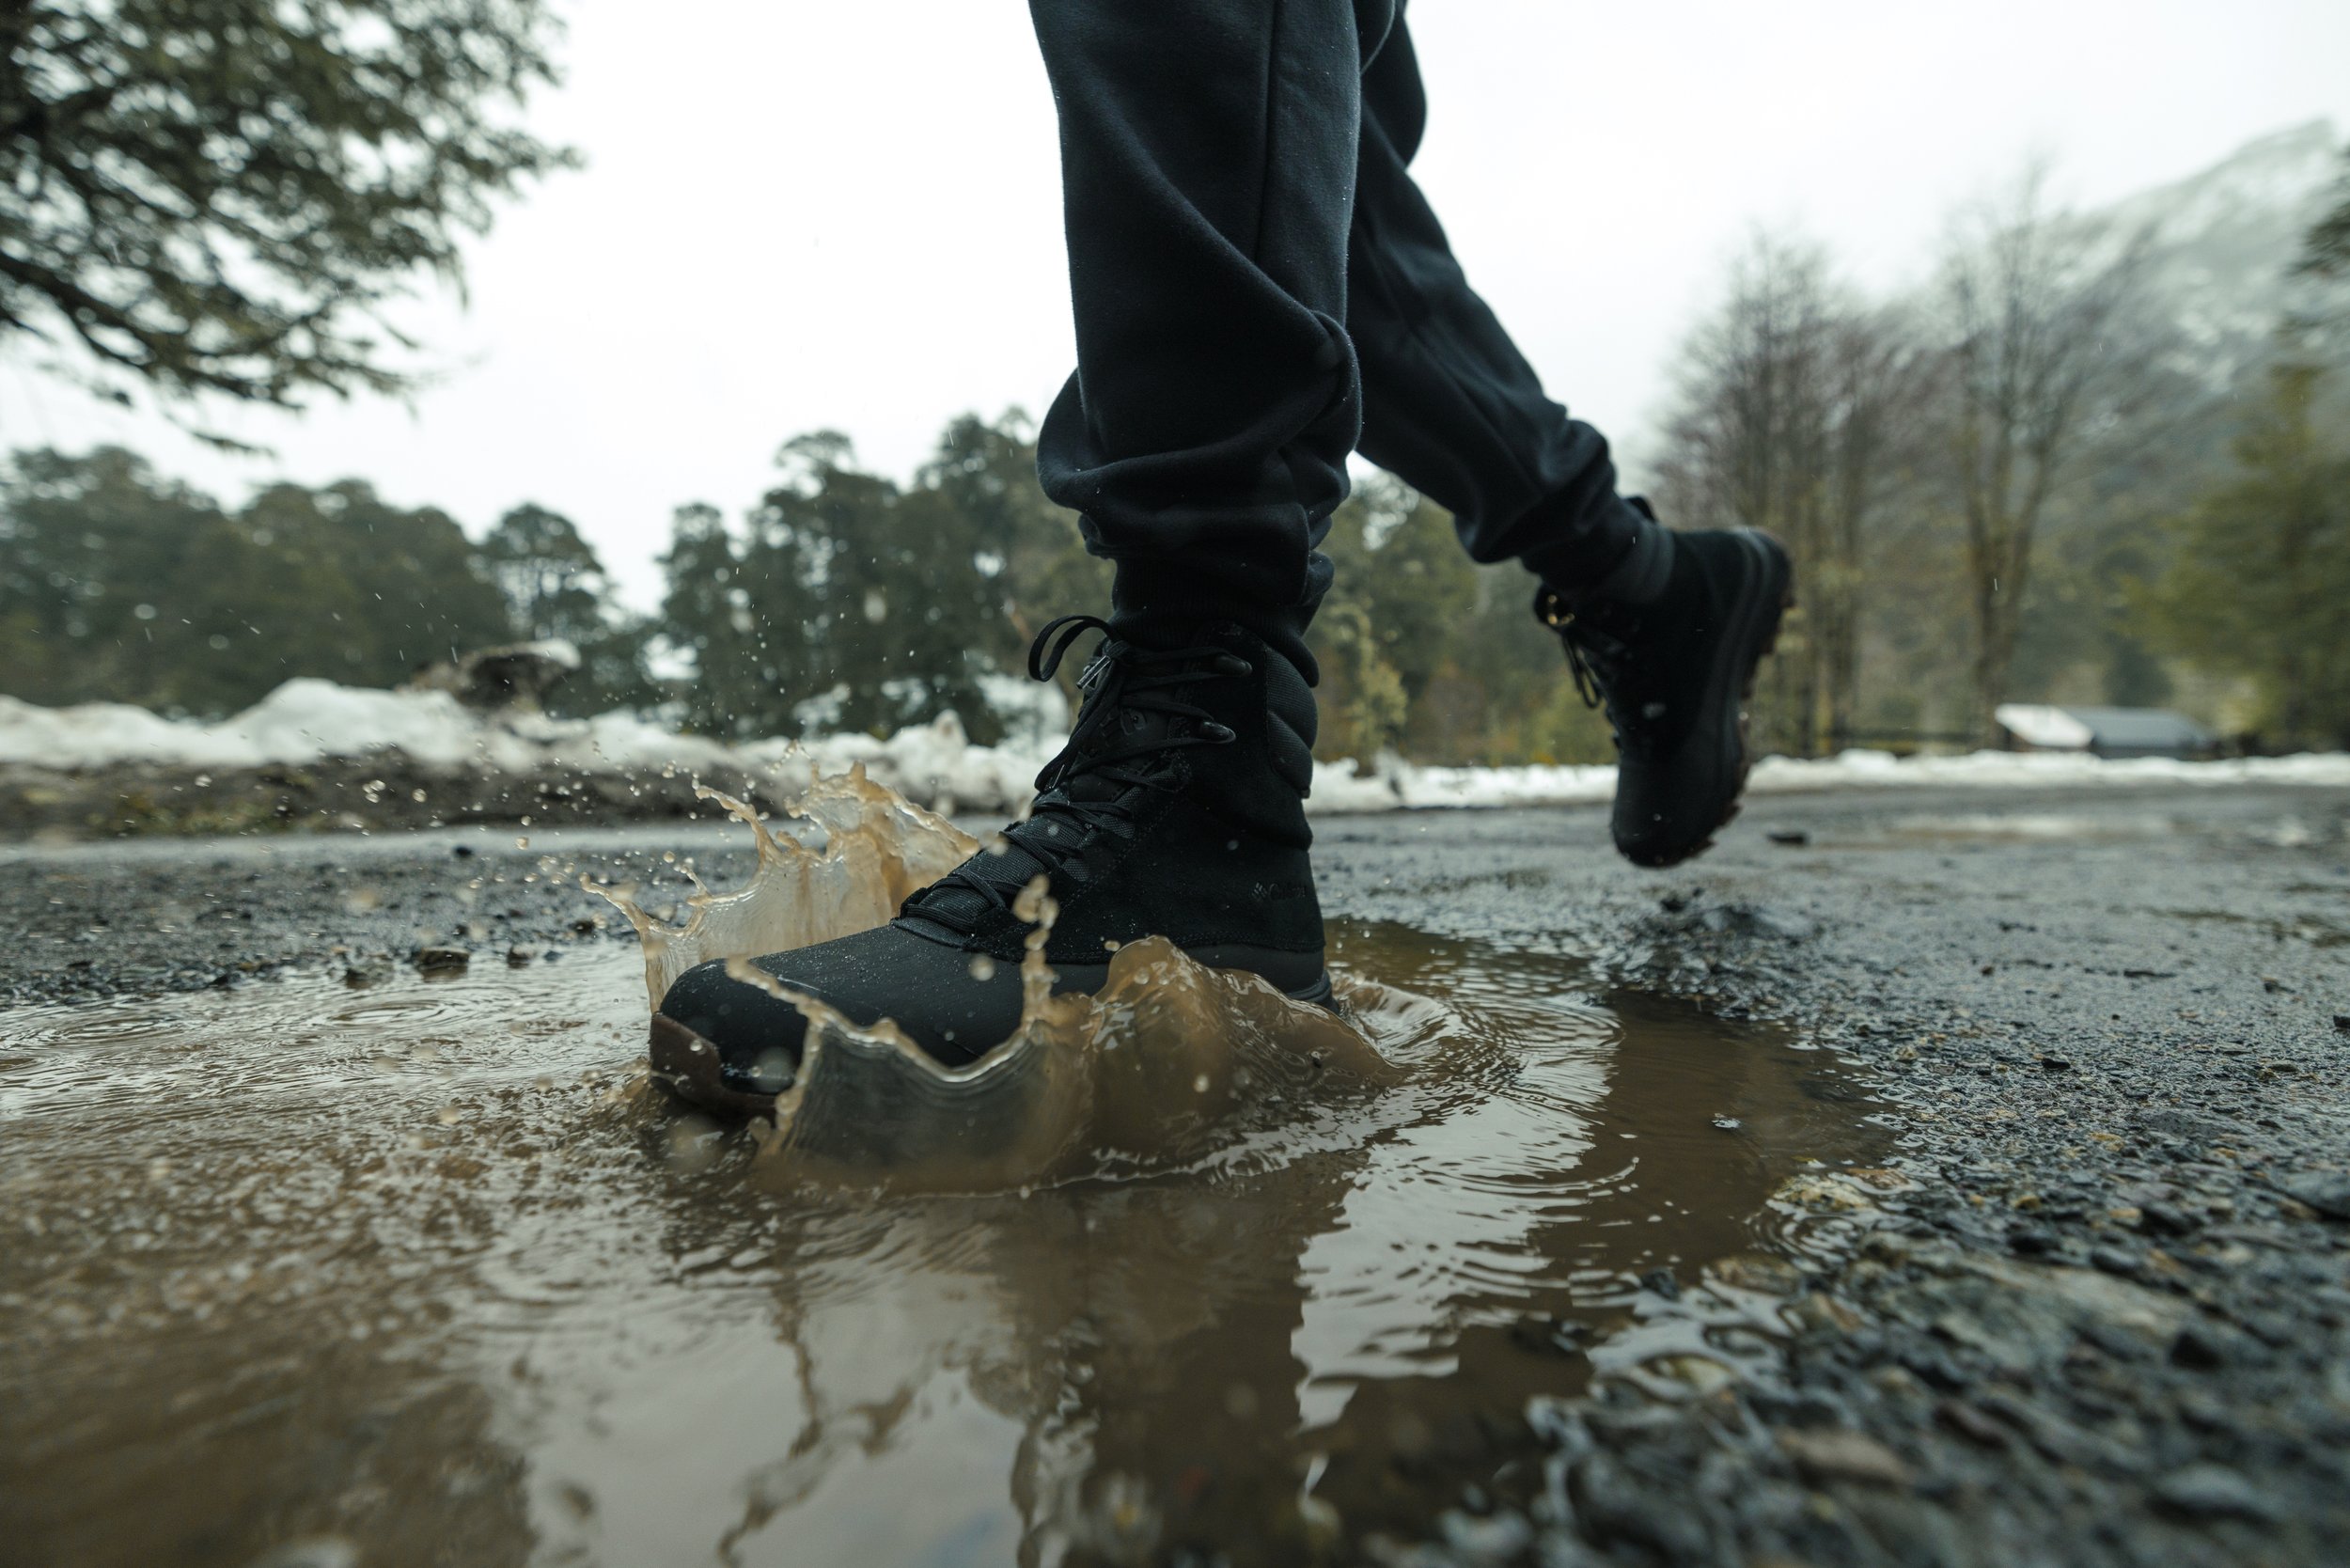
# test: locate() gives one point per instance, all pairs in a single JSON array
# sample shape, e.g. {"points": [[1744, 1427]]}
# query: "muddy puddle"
{"points": [[425, 1272]]}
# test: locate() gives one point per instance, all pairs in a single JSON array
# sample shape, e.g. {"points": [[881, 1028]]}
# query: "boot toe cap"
{"points": [[952, 1005], [757, 1036]]}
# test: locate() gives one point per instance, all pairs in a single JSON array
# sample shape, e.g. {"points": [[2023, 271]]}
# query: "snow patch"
{"points": [[306, 720]]}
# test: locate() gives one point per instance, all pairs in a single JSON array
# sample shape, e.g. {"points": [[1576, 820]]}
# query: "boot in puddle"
{"points": [[1177, 809], [1674, 672]]}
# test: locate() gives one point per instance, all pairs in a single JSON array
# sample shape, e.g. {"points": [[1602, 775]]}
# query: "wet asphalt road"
{"points": [[2102, 1315]]}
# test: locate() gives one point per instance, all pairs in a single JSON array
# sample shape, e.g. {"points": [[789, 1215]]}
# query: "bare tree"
{"points": [[2047, 357], [1790, 400]]}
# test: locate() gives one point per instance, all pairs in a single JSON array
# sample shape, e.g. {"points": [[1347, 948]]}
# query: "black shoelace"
{"points": [[1129, 719], [1596, 653]]}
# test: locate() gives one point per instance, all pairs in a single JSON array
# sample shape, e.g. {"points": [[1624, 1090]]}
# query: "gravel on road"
{"points": [[2100, 1315]]}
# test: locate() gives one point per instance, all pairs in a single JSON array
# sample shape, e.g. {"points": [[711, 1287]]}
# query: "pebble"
{"points": [[441, 960], [2197, 1349], [2326, 1191], [2208, 1491], [1971, 1424], [1842, 1454]]}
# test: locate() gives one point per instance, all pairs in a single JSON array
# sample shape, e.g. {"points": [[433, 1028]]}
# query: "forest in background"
{"points": [[2092, 458], [2027, 482]]}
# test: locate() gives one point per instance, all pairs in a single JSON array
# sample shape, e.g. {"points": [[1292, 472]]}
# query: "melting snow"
{"points": [[306, 720]]}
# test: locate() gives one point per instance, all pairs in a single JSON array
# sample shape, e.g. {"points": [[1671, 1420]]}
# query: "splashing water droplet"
{"points": [[983, 967], [1035, 903]]}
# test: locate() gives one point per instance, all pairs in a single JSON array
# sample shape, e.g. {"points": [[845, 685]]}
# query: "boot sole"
{"points": [[1754, 637], [688, 1066]]}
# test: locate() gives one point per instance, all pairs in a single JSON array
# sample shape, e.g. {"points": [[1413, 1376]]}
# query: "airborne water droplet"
{"points": [[983, 967]]}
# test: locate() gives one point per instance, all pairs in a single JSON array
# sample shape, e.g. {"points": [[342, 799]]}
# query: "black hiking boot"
{"points": [[1177, 809], [1674, 674]]}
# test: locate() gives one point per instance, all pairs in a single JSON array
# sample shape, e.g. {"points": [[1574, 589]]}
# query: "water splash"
{"points": [[1168, 1062], [877, 848]]}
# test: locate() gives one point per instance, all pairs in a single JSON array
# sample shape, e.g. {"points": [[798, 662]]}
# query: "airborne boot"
{"points": [[1177, 809], [1674, 672]]}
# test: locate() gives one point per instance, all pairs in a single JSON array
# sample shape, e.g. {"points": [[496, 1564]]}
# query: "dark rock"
{"points": [[1550, 1335], [1662, 1282], [1800, 1408], [2198, 1349], [1932, 1366], [2326, 1191], [1971, 1424], [361, 973], [442, 960], [2030, 1241], [1615, 1506], [1793, 836], [2177, 1122]]}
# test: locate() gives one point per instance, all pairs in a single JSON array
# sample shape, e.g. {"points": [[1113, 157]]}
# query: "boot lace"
{"points": [[1598, 646], [1133, 715]]}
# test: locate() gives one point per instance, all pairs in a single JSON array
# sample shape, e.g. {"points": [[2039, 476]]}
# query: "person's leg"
{"points": [[1451, 406], [1665, 628], [1208, 151], [1208, 164]]}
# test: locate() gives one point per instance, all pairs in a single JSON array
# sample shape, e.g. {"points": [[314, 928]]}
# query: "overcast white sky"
{"points": [[798, 215]]}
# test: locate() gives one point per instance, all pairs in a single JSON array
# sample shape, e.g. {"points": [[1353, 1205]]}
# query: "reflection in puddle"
{"points": [[424, 1271]]}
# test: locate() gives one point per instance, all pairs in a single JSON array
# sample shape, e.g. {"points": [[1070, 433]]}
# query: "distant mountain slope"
{"points": [[2226, 239]]}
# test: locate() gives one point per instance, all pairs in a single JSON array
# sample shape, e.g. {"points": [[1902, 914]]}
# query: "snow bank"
{"points": [[1398, 784], [306, 720]]}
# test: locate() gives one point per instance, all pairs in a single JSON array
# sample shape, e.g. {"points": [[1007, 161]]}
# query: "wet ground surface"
{"points": [[311, 1262], [2097, 1311]]}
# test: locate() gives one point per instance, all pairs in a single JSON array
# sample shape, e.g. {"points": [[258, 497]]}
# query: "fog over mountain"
{"points": [[2224, 241]]}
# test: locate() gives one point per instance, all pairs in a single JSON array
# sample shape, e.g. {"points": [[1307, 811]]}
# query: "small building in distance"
{"points": [[2103, 731]]}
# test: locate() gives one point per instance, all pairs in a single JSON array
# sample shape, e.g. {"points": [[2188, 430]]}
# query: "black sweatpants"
{"points": [[1260, 289]]}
